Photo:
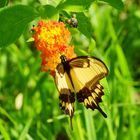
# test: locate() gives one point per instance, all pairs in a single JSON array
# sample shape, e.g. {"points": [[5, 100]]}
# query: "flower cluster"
{"points": [[51, 39]]}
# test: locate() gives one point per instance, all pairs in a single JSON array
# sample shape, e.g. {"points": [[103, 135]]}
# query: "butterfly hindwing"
{"points": [[66, 91], [86, 72], [91, 98]]}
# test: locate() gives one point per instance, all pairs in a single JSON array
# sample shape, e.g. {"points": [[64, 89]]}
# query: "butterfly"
{"points": [[80, 77]]}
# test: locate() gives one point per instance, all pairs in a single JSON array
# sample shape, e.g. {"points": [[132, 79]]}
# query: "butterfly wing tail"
{"points": [[71, 126], [102, 112]]}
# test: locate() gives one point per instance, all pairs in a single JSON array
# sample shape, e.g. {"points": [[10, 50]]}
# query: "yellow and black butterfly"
{"points": [[81, 76]]}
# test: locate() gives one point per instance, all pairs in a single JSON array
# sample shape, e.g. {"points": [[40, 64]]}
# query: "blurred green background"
{"points": [[29, 103]]}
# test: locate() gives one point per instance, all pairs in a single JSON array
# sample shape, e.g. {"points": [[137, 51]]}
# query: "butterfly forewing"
{"points": [[86, 72]]}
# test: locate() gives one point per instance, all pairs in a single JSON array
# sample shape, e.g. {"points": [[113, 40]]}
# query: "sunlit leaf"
{"points": [[75, 6], [118, 4]]}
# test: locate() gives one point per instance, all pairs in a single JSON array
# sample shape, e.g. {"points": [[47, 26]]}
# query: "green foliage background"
{"points": [[109, 30]]}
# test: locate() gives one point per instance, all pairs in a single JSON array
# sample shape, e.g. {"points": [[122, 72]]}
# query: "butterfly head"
{"points": [[63, 58]]}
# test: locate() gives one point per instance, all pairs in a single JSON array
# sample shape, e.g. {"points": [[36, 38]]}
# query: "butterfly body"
{"points": [[80, 76]]}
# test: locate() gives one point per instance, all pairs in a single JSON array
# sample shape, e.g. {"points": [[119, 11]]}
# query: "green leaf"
{"points": [[13, 21], [5, 113], [4, 131], [75, 6], [49, 11], [90, 126], [3, 3], [118, 4], [84, 25], [25, 130]]}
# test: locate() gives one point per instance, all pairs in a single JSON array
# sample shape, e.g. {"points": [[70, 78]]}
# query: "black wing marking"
{"points": [[91, 98]]}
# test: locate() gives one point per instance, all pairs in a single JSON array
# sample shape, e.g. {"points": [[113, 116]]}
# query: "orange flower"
{"points": [[51, 39]]}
